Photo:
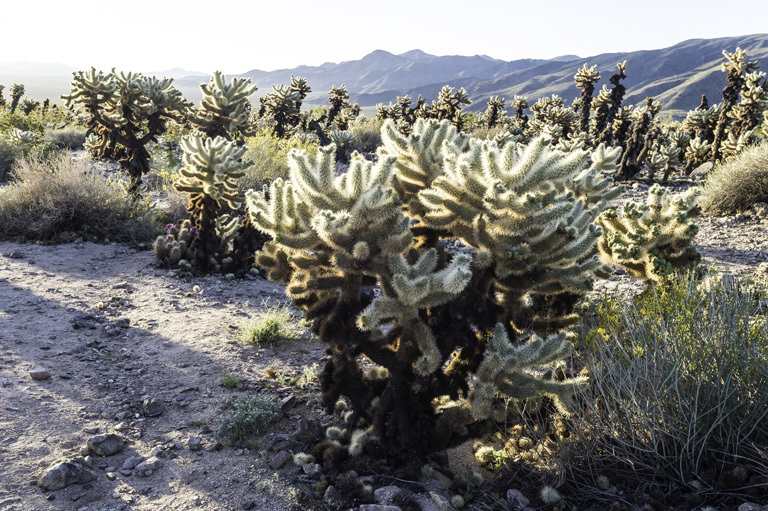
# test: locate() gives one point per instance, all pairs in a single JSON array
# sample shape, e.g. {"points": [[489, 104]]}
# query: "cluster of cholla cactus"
{"points": [[211, 167], [425, 339], [127, 112], [651, 239], [449, 105], [709, 133]]}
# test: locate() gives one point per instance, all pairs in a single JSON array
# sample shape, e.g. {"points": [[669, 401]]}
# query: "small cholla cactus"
{"points": [[550, 496], [651, 239], [585, 79], [224, 108], [210, 172], [17, 91], [21, 137]]}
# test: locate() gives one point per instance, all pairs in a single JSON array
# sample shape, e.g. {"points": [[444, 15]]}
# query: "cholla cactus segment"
{"points": [[20, 137], [653, 238], [519, 205], [506, 370], [211, 167], [224, 107], [420, 155]]}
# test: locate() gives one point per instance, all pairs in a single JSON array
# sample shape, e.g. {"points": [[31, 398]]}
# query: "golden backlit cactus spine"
{"points": [[653, 238], [361, 254], [209, 175]]}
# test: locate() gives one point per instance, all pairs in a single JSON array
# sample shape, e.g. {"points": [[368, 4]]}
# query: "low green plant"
{"points": [[271, 326], [60, 199], [230, 381], [737, 184], [247, 417], [679, 379]]}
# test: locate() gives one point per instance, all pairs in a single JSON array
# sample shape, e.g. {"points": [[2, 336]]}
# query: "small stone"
{"points": [[330, 493], [111, 476], [517, 499], [287, 402], [312, 469], [91, 430], [122, 426], [125, 472], [115, 495], [195, 443], [378, 507], [106, 445], [63, 473], [40, 373], [120, 285], [308, 430], [148, 465], [153, 407], [16, 255], [279, 459], [443, 480], [387, 494], [132, 462], [249, 504], [157, 451], [441, 501]]}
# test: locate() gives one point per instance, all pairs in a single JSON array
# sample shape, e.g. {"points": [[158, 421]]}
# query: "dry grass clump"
{"points": [[70, 137], [59, 199], [737, 184], [679, 383]]}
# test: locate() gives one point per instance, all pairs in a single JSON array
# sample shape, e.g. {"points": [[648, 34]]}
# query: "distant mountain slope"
{"points": [[676, 76], [381, 71]]}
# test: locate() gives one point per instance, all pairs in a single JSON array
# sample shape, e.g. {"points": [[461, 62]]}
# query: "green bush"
{"points": [[59, 199], [247, 417], [367, 134], [270, 327], [269, 157], [737, 184], [679, 379]]}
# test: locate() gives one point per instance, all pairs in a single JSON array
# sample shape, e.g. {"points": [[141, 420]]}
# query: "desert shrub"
{"points": [[367, 133], [247, 417], [59, 198], [269, 158], [20, 121], [737, 184], [8, 154], [70, 137], [679, 379]]}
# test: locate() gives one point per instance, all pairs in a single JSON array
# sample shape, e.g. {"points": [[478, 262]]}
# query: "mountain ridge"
{"points": [[675, 76]]}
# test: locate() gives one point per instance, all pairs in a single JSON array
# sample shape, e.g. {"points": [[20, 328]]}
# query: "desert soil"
{"points": [[113, 331]]}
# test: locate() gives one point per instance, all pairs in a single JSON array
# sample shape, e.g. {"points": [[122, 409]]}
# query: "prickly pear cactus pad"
{"points": [[651, 239], [363, 254]]}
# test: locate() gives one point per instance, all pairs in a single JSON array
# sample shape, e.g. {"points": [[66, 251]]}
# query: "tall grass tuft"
{"points": [[59, 198], [737, 184], [679, 380]]}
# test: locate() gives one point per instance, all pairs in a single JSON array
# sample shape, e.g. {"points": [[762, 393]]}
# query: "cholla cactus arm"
{"points": [[20, 137], [504, 371], [420, 155], [224, 108], [211, 167], [653, 238]]}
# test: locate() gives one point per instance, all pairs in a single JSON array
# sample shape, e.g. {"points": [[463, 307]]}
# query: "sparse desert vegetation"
{"points": [[505, 310]]}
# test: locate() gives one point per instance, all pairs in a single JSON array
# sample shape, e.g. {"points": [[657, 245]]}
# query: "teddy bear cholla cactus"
{"points": [[209, 174], [224, 109], [528, 213], [653, 238]]}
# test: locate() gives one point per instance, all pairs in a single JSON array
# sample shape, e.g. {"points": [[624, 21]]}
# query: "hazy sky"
{"points": [[156, 35]]}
